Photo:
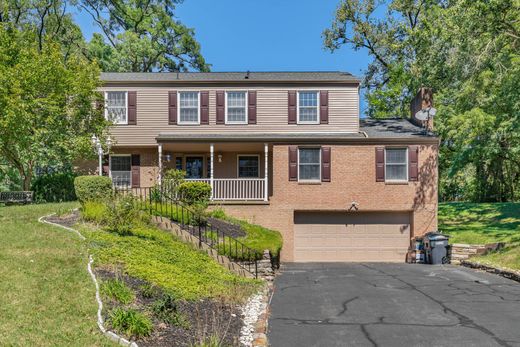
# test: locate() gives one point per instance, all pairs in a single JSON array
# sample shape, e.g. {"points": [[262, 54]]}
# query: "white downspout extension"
{"points": [[160, 163], [211, 154], [266, 173]]}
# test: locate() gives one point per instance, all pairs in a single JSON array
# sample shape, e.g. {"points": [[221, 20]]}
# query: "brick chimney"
{"points": [[422, 100]]}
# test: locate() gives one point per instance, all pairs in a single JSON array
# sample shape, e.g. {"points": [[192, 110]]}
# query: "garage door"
{"points": [[351, 236]]}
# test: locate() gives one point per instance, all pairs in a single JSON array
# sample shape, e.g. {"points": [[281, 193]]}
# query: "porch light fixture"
{"points": [[219, 156], [167, 157], [96, 142]]}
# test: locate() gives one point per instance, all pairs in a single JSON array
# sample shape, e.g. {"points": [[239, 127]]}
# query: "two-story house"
{"points": [[286, 150]]}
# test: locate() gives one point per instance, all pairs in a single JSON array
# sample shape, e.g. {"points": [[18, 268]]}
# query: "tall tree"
{"points": [[46, 103], [142, 36], [468, 51]]}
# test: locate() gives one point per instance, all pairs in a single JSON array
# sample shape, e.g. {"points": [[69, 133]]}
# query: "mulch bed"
{"points": [[206, 317], [228, 228], [67, 220]]}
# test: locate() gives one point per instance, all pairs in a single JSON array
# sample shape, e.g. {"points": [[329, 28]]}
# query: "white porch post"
{"points": [[211, 154], [160, 163], [266, 172]]}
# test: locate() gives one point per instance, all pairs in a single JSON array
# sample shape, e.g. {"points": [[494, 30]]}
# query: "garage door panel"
{"points": [[333, 236]]}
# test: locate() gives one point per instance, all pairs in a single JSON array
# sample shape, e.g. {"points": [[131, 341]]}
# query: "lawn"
{"points": [[480, 223], [47, 294]]}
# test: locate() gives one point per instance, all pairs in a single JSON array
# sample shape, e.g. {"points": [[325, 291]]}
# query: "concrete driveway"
{"points": [[392, 305]]}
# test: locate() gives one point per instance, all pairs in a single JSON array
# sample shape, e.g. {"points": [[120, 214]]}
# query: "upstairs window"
{"points": [[248, 166], [309, 164], [308, 107], [189, 108], [396, 164], [116, 107], [236, 110]]}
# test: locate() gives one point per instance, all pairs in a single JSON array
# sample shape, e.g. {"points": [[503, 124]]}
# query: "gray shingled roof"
{"points": [[391, 127], [280, 76]]}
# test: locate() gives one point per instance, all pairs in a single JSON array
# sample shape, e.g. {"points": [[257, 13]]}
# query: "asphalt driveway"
{"points": [[392, 305]]}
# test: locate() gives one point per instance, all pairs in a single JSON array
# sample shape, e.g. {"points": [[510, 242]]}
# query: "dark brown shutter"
{"points": [[172, 107], [292, 107], [325, 164], [293, 163], [136, 170], [380, 164], [204, 107], [106, 167], [413, 163], [221, 104], [251, 111], [132, 108], [324, 107]]}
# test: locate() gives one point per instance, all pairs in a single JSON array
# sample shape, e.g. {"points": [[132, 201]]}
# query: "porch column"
{"points": [[266, 171], [211, 153], [159, 147]]}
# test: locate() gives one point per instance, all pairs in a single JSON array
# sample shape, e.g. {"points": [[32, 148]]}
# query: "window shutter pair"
{"points": [[293, 107], [325, 163], [172, 107], [136, 171], [221, 107], [413, 164]]}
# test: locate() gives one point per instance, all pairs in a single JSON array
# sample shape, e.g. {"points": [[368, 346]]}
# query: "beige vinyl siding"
{"points": [[272, 104]]}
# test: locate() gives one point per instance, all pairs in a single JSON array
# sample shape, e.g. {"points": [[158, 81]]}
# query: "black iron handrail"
{"points": [[157, 202]]}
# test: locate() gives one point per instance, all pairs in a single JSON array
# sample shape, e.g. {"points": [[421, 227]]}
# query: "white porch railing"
{"points": [[236, 188]]}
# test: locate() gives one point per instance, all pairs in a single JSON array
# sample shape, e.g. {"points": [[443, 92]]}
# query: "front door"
{"points": [[194, 167]]}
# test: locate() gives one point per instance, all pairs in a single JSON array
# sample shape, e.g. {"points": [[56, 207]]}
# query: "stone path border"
{"points": [[512, 275], [100, 322]]}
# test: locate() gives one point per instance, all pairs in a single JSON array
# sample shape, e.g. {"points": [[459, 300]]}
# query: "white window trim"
{"points": [[179, 121], [406, 161], [317, 121], [110, 164], [126, 106], [247, 155], [298, 163], [226, 107]]}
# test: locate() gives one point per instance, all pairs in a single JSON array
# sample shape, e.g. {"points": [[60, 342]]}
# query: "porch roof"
{"points": [[255, 137]]}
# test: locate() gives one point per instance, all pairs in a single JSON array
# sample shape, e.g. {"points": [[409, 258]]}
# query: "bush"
{"points": [[93, 188], [195, 193], [55, 187], [166, 310], [131, 322], [123, 215], [116, 289], [94, 211]]}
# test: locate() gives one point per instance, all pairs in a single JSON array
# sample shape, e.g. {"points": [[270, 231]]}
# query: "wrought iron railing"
{"points": [[162, 201]]}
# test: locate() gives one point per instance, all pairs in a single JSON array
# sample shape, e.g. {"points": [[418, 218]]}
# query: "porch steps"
{"points": [[167, 225]]}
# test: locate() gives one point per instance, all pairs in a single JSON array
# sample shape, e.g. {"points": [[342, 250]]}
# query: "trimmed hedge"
{"points": [[194, 192], [93, 188], [55, 187]]}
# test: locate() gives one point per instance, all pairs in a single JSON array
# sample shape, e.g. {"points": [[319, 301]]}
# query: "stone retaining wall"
{"points": [[462, 251], [513, 275]]}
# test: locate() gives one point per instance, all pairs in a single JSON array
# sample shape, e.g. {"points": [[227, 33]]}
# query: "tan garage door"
{"points": [[351, 236]]}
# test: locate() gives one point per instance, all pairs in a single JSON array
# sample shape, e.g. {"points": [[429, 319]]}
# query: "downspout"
{"points": [[364, 133]]}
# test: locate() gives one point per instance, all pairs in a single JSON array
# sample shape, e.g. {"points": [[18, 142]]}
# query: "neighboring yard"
{"points": [[480, 223], [47, 295]]}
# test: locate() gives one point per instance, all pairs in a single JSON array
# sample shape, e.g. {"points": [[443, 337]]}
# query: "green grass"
{"points": [[481, 223], [116, 289], [48, 298], [130, 322]]}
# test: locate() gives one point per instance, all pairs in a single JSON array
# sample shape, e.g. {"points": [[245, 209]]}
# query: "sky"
{"points": [[268, 35]]}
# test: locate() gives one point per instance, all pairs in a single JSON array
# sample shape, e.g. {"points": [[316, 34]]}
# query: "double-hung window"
{"points": [[248, 166], [121, 170], [116, 107], [236, 107], [189, 112], [308, 107], [396, 164], [309, 164]]}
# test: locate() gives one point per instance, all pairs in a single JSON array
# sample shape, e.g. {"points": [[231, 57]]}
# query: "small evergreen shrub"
{"points": [[123, 215], [117, 290], [195, 193], [55, 187], [131, 322], [94, 211], [93, 188], [166, 310]]}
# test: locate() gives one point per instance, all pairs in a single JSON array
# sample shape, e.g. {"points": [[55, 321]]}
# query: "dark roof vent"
{"points": [[247, 75]]}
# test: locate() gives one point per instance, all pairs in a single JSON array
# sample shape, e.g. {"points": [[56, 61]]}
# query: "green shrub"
{"points": [[94, 211], [117, 290], [55, 187], [123, 215], [166, 310], [195, 193], [148, 290], [93, 188], [131, 322]]}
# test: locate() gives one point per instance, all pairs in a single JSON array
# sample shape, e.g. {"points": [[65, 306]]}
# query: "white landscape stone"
{"points": [[251, 311]]}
